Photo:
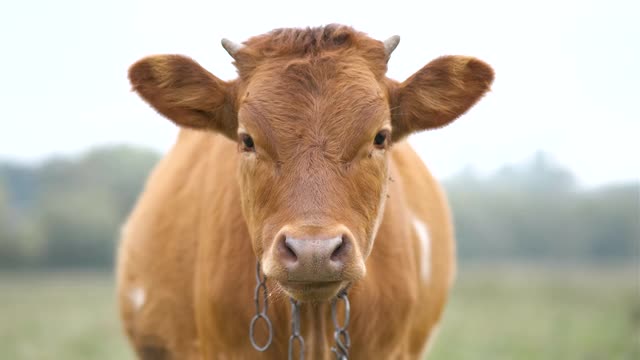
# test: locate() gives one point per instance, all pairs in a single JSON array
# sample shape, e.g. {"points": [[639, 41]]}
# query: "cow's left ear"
{"points": [[438, 93], [183, 91]]}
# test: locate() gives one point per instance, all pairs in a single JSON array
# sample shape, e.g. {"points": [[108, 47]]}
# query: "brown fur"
{"points": [[312, 100]]}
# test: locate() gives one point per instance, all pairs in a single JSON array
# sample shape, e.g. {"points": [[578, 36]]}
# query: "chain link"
{"points": [[341, 333], [261, 288], [295, 330]]}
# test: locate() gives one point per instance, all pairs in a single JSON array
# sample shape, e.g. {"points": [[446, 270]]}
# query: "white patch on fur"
{"points": [[378, 221], [432, 335], [425, 247], [137, 297]]}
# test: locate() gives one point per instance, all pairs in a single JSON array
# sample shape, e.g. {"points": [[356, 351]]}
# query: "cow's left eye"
{"points": [[247, 143], [380, 141]]}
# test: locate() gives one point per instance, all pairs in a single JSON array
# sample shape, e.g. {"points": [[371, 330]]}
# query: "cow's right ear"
{"points": [[183, 91], [438, 93]]}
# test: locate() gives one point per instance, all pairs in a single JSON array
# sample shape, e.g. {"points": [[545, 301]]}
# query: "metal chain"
{"points": [[341, 333], [260, 314], [295, 330]]}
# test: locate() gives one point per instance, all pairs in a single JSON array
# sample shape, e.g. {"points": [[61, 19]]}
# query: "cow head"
{"points": [[314, 117]]}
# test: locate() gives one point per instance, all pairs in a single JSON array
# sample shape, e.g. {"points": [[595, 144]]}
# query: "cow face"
{"points": [[313, 116], [314, 170]]}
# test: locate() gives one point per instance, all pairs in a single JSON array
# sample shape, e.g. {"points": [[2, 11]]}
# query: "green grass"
{"points": [[542, 314], [64, 316], [496, 313]]}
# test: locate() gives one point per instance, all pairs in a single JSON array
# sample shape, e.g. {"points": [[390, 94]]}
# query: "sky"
{"points": [[567, 73]]}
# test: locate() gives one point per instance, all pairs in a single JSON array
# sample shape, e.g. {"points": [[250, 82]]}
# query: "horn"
{"points": [[231, 47], [390, 44]]}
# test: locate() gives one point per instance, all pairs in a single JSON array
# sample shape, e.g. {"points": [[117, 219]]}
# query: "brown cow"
{"points": [[299, 164]]}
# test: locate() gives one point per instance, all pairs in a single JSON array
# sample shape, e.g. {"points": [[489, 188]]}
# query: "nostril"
{"points": [[286, 250], [290, 252], [340, 251]]}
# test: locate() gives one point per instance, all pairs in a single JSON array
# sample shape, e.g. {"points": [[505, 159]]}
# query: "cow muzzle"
{"points": [[313, 265]]}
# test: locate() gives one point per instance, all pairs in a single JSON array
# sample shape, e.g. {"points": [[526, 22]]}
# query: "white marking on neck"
{"points": [[435, 330], [379, 215], [425, 247], [137, 297]]}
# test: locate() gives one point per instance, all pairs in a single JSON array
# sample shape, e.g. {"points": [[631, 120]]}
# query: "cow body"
{"points": [[187, 249], [187, 258]]}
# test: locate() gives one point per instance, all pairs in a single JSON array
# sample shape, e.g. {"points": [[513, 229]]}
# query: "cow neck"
{"points": [[314, 327]]}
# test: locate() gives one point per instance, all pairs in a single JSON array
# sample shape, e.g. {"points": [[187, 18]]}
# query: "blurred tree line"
{"points": [[537, 210], [67, 212]]}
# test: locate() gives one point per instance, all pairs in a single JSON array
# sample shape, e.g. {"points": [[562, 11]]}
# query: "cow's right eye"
{"points": [[247, 143], [380, 141]]}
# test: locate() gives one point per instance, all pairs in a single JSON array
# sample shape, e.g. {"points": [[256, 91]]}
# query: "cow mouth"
{"points": [[312, 291]]}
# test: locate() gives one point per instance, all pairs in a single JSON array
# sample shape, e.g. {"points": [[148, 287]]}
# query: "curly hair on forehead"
{"points": [[311, 42]]}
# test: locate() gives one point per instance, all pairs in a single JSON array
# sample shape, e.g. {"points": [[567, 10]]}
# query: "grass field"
{"points": [[496, 313]]}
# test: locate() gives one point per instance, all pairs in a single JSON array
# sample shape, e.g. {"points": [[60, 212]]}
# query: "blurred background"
{"points": [[542, 175]]}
